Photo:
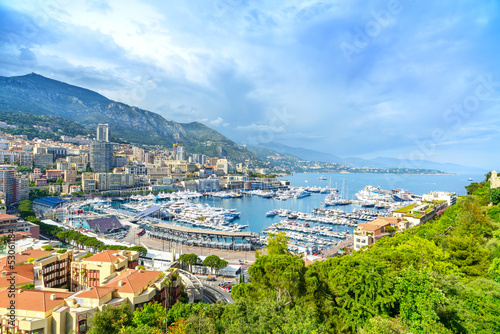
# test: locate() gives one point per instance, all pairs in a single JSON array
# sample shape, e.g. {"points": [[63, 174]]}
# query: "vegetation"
{"points": [[190, 260], [440, 277], [81, 240], [41, 126], [28, 286], [214, 262]]}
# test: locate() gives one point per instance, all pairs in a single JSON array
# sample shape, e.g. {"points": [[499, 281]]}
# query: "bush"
{"points": [[47, 248], [495, 195]]}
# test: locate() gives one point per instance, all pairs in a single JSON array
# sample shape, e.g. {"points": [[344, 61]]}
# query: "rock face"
{"points": [[37, 94]]}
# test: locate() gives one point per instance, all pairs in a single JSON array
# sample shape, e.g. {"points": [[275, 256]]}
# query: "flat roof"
{"points": [[201, 231]]}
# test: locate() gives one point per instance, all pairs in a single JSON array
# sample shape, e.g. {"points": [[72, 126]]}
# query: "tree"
{"points": [[111, 320], [189, 259], [152, 315], [418, 300], [277, 244], [214, 262], [282, 275], [495, 195], [4, 239]]}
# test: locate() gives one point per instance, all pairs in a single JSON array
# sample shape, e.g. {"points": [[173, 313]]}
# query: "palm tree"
{"points": [[4, 239]]}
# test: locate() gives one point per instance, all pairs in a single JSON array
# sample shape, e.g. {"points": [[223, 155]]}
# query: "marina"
{"points": [[246, 217]]}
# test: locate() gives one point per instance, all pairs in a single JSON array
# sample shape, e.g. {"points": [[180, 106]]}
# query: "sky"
{"points": [[397, 78]]}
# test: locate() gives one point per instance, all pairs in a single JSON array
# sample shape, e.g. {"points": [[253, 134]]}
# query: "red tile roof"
{"points": [[94, 292], [107, 256], [133, 280], [33, 300]]}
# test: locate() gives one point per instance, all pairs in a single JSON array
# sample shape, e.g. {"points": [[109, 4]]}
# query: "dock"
{"points": [[204, 237]]}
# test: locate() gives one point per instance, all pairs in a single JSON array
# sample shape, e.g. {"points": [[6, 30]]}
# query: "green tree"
{"points": [[277, 244], [281, 275], [111, 320], [190, 260], [152, 315], [495, 195], [214, 262], [418, 300]]}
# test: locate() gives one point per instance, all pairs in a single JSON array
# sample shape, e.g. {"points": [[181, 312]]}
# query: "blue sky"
{"points": [[405, 79]]}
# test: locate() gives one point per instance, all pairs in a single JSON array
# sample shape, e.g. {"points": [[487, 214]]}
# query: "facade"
{"points": [[63, 165], [101, 156], [450, 198], [114, 181], [136, 169], [156, 173], [7, 222], [43, 160], [7, 186], [70, 176], [53, 174], [138, 154], [88, 185], [494, 180], [200, 159], [25, 158], [22, 189], [181, 153], [368, 233], [103, 132]]}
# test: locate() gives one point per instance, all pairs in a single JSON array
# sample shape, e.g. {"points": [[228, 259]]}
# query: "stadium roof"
{"points": [[104, 224], [49, 201]]}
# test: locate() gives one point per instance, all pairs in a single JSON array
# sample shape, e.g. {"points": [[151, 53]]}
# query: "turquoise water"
{"points": [[253, 209]]}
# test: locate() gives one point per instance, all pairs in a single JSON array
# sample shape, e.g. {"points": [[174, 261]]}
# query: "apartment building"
{"points": [[368, 233], [95, 270]]}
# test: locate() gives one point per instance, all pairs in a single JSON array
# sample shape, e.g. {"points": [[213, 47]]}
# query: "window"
{"points": [[82, 326]]}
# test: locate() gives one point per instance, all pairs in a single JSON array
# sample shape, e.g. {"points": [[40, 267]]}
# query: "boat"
{"points": [[272, 213], [470, 179], [321, 178]]}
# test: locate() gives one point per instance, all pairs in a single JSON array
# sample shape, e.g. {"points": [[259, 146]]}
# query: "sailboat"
{"points": [[343, 200]]}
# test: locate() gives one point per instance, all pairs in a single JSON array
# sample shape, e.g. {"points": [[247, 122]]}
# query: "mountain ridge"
{"points": [[379, 162], [36, 94]]}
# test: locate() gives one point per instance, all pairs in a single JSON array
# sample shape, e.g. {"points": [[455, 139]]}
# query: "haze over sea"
{"points": [[253, 209]]}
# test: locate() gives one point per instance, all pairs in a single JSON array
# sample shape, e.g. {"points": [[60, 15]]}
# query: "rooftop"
{"points": [[132, 280], [107, 256], [33, 300], [94, 292], [50, 201]]}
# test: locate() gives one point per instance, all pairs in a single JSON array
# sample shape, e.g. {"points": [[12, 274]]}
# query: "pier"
{"points": [[204, 237]]}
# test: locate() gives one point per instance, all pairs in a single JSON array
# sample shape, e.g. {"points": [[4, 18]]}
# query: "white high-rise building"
{"points": [[103, 132]]}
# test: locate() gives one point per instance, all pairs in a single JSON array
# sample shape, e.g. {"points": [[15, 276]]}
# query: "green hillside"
{"points": [[56, 126]]}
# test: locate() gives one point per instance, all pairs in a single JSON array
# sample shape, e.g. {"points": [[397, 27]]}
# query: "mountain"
{"points": [[380, 162], [37, 94], [302, 153]]}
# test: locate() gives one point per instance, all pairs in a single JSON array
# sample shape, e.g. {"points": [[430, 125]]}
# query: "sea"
{"points": [[253, 209]]}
